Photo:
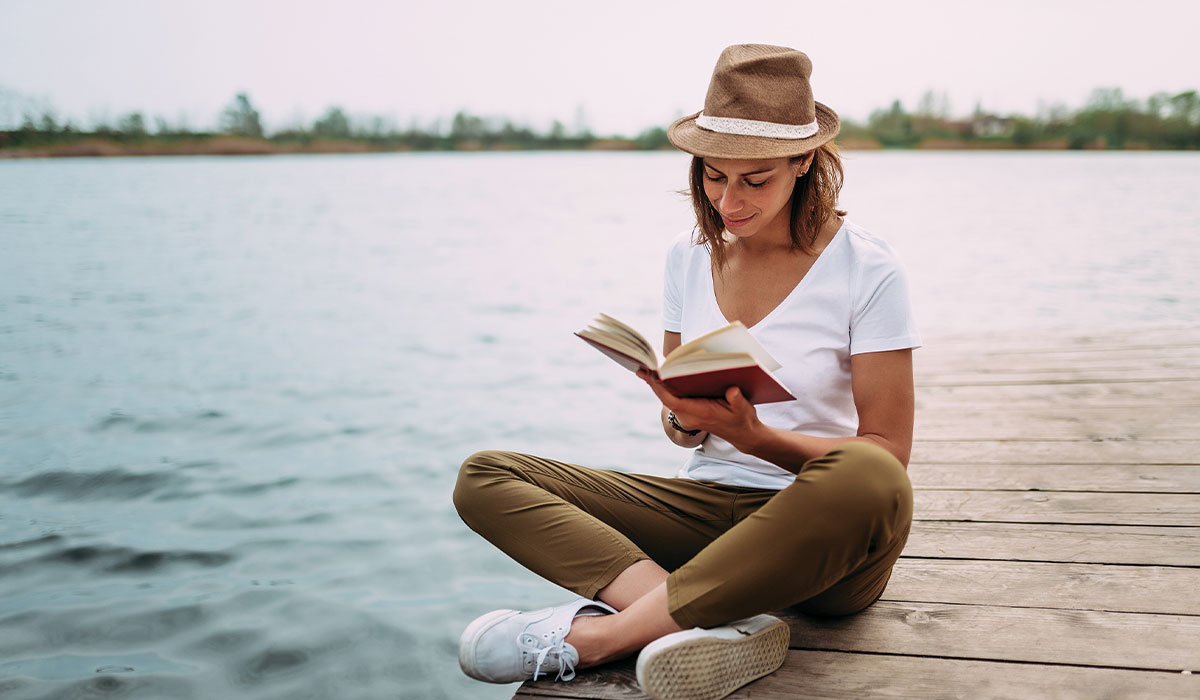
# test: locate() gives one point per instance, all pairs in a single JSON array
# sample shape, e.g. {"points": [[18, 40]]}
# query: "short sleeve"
{"points": [[673, 281], [882, 317]]}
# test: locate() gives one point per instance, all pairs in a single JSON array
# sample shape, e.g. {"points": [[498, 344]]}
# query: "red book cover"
{"points": [[757, 385]]}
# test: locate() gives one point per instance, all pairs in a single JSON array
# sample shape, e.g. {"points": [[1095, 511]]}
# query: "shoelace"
{"points": [[557, 646]]}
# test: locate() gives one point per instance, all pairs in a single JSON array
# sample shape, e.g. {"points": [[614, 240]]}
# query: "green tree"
{"points": [[1108, 99], [241, 119], [48, 123], [1186, 106], [651, 139], [558, 133], [132, 124], [466, 127], [893, 126], [1107, 118], [934, 104], [333, 125], [1024, 131]]}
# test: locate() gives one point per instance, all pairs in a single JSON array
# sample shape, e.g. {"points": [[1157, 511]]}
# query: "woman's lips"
{"points": [[735, 223]]}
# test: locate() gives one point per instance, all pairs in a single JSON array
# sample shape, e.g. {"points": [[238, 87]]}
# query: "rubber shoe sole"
{"points": [[470, 637], [707, 664]]}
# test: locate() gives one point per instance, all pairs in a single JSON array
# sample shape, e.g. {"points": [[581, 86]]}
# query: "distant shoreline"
{"points": [[95, 147], [1108, 122]]}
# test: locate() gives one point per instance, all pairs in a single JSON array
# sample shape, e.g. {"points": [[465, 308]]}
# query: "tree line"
{"points": [[1109, 120]]}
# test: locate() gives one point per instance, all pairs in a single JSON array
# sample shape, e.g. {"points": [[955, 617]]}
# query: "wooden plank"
{"points": [[845, 676], [932, 360], [1101, 544], [1145, 589], [983, 632], [1104, 340], [1130, 478], [1055, 422], [615, 681], [1058, 507], [854, 676], [1065, 396], [1095, 451], [1161, 375]]}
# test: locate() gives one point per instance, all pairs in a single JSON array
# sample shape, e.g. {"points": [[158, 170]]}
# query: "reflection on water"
{"points": [[234, 392]]}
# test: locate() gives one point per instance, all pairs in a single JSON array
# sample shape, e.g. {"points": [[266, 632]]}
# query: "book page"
{"points": [[734, 338], [697, 363], [604, 339], [630, 333]]}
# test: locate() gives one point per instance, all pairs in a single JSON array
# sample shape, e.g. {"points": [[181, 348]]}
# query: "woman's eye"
{"points": [[713, 178], [756, 184]]}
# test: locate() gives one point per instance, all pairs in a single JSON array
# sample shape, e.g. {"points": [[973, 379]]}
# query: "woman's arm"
{"points": [[670, 342], [882, 383]]}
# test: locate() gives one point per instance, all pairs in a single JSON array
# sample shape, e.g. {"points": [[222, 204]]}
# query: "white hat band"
{"points": [[750, 127]]}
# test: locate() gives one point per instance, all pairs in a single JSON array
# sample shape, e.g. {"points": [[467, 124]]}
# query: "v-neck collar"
{"points": [[796, 290]]}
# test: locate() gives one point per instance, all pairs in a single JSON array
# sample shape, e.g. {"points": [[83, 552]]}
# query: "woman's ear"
{"points": [[802, 163]]}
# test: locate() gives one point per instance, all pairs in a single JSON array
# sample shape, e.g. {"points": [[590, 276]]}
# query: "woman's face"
{"points": [[752, 195]]}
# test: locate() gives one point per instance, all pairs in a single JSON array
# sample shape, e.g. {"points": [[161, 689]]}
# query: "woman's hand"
{"points": [[732, 418]]}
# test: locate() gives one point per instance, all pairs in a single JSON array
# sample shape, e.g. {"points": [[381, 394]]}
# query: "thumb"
{"points": [[734, 395]]}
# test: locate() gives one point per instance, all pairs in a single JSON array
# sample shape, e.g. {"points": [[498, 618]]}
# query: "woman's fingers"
{"points": [[707, 414], [668, 399]]}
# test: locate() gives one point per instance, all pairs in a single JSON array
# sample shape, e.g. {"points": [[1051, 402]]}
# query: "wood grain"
{"points": [[987, 632], [1114, 478], [850, 676], [1146, 589], [1079, 450], [1057, 507], [847, 676], [1096, 544]]}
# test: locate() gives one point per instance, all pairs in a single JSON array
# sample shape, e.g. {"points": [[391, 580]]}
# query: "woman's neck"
{"points": [[774, 240], [774, 237]]}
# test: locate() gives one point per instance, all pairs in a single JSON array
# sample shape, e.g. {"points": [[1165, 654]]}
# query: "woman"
{"points": [[802, 503]]}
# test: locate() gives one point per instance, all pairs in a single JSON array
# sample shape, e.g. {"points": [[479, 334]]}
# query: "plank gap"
{"points": [[1114, 611], [1009, 463], [1050, 522], [919, 557], [1013, 662], [1039, 490]]}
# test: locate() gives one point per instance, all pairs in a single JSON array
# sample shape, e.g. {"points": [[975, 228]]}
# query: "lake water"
{"points": [[234, 392]]}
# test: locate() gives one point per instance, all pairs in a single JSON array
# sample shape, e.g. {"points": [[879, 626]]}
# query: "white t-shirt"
{"points": [[853, 300]]}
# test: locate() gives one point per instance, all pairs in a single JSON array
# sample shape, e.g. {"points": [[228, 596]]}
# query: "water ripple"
{"points": [[36, 542], [271, 663], [260, 488], [119, 419], [104, 559], [115, 484]]}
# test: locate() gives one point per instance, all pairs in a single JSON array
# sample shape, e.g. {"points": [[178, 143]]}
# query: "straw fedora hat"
{"points": [[759, 105]]}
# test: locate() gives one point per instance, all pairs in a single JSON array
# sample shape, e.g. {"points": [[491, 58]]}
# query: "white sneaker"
{"points": [[505, 646], [706, 664]]}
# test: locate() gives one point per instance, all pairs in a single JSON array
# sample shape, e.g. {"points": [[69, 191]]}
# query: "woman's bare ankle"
{"points": [[588, 637], [603, 638]]}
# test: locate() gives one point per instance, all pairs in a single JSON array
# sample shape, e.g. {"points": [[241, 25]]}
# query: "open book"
{"points": [[702, 368]]}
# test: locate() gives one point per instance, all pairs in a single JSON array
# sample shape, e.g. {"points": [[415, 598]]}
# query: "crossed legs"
{"points": [[672, 553]]}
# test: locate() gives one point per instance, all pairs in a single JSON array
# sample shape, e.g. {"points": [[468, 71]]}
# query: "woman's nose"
{"points": [[730, 202]]}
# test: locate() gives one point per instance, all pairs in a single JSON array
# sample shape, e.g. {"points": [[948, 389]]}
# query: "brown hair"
{"points": [[813, 201]]}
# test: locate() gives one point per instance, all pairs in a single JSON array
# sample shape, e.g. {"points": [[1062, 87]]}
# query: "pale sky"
{"points": [[623, 65]]}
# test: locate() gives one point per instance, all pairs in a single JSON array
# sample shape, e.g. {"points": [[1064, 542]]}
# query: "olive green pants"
{"points": [[825, 544]]}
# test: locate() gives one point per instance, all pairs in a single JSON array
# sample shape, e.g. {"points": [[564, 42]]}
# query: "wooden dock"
{"points": [[1055, 551]]}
